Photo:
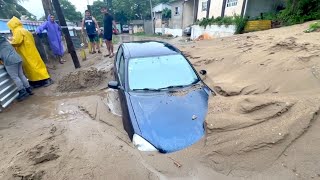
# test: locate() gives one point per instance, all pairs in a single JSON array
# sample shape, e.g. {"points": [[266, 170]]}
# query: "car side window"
{"points": [[122, 70], [119, 54]]}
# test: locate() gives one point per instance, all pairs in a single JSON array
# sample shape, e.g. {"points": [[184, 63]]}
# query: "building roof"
{"points": [[148, 48]]}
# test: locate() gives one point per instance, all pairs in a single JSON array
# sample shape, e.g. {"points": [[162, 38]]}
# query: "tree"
{"points": [[126, 10], [69, 10], [10, 8], [166, 13], [95, 10], [299, 11]]}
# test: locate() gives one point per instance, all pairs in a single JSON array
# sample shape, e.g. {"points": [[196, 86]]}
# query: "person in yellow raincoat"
{"points": [[33, 66]]}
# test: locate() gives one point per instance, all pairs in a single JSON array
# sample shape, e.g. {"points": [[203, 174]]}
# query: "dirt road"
{"points": [[262, 125]]}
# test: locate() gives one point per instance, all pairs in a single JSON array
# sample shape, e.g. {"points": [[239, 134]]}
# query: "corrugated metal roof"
{"points": [[8, 90]]}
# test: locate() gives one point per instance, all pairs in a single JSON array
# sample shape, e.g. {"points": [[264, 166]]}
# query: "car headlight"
{"points": [[141, 144]]}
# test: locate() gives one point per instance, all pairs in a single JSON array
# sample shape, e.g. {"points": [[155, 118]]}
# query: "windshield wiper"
{"points": [[146, 89], [181, 86], [170, 87]]}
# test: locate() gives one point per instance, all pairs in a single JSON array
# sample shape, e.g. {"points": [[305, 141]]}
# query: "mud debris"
{"points": [[84, 79], [30, 175], [45, 158]]}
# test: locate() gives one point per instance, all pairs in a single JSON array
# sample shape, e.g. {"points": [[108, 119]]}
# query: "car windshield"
{"points": [[154, 73]]}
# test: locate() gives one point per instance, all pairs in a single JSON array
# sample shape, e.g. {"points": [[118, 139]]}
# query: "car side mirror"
{"points": [[203, 72], [113, 85]]}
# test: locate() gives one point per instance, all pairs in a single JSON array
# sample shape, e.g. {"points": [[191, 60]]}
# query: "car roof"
{"points": [[136, 49]]}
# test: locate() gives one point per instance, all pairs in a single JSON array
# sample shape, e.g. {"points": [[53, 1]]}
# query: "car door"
{"points": [[123, 97]]}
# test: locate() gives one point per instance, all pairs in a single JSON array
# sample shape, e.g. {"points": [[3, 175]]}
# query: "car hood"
{"points": [[171, 121]]}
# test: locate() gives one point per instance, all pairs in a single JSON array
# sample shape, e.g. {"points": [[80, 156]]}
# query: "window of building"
{"points": [[204, 5], [231, 3], [176, 10]]}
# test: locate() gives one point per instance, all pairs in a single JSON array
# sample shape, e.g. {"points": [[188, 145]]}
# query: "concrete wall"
{"points": [[188, 14], [201, 13], [185, 13], [214, 30], [230, 11], [174, 32], [148, 29], [176, 19], [215, 8]]}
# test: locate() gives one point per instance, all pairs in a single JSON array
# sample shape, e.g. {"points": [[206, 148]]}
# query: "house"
{"points": [[183, 13], [245, 8], [159, 22], [157, 10]]}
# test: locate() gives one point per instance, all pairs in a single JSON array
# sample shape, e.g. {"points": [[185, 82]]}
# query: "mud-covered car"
{"points": [[164, 102]]}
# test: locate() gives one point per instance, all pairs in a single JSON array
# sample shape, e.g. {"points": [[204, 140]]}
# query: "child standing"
{"points": [[13, 64]]}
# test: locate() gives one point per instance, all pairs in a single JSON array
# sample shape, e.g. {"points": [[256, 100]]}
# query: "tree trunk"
{"points": [[47, 6]]}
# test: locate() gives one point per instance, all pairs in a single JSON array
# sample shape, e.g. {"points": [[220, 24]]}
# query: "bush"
{"points": [[240, 23], [300, 11], [218, 21]]}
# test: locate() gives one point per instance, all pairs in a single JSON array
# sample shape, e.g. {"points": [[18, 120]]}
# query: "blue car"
{"points": [[164, 102]]}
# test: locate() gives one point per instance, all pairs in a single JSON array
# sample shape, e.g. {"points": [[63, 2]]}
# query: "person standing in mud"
{"points": [[13, 65], [109, 24], [54, 37], [92, 26], [33, 66]]}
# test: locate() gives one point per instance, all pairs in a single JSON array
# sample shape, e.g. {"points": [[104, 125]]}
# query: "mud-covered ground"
{"points": [[263, 124]]}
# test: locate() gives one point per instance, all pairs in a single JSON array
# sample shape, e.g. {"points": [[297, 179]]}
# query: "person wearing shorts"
{"points": [[109, 24], [91, 25]]}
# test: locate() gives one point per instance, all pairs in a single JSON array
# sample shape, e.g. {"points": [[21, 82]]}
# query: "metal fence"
{"points": [[8, 90]]}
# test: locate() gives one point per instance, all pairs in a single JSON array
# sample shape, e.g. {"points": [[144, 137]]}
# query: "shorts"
{"points": [[107, 36], [93, 38]]}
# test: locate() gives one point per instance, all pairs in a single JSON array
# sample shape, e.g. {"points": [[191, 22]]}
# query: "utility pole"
{"points": [[152, 21], [65, 30]]}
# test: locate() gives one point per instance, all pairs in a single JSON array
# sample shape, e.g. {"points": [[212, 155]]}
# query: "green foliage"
{"points": [[69, 11], [240, 23], [140, 34], [9, 8], [313, 27], [226, 21], [166, 13], [299, 11], [126, 10], [95, 10]]}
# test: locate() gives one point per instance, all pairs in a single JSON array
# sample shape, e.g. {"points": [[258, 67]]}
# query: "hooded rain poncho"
{"points": [[54, 36], [33, 66]]}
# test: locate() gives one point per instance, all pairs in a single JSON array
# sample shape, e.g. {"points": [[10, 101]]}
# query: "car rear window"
{"points": [[160, 72]]}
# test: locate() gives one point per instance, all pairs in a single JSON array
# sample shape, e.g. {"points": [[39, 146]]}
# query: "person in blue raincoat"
{"points": [[54, 37]]}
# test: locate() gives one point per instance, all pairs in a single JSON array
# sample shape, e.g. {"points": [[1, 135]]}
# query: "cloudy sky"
{"points": [[35, 6]]}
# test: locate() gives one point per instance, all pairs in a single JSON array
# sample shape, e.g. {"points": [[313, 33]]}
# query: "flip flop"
{"points": [[107, 55], [111, 56]]}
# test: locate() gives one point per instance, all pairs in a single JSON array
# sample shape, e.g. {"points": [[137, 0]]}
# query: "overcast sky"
{"points": [[35, 6]]}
